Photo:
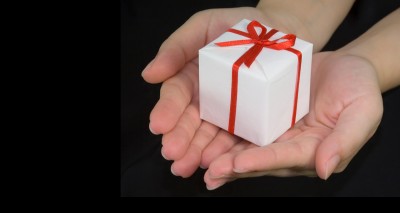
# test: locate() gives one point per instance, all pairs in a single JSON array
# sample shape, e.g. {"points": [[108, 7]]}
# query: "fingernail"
{"points": [[214, 187], [152, 131], [162, 154], [203, 167], [330, 166], [216, 176], [236, 170], [147, 67], [172, 171]]}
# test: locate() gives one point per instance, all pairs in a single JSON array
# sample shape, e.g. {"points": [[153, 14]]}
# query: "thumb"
{"points": [[182, 46], [356, 124]]}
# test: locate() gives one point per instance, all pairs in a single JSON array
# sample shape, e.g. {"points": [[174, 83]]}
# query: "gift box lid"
{"points": [[268, 64]]}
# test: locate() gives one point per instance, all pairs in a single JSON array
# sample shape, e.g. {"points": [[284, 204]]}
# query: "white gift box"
{"points": [[266, 90]]}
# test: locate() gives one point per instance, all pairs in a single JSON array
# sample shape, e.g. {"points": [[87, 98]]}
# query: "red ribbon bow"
{"points": [[260, 41]]}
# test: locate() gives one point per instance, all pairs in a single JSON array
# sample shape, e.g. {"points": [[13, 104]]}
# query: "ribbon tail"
{"points": [[251, 54]]}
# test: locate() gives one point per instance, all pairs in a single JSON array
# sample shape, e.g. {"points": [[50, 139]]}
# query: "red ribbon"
{"points": [[260, 41]]}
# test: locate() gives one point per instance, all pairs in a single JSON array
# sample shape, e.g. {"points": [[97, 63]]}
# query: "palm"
{"points": [[176, 115], [344, 96]]}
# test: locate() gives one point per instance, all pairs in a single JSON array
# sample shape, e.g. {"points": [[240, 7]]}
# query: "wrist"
{"points": [[379, 48], [287, 22], [364, 59], [310, 20]]}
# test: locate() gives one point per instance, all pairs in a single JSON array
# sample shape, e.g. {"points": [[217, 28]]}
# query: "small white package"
{"points": [[254, 81]]}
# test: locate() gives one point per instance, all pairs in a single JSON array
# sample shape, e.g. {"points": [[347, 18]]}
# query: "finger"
{"points": [[220, 170], [278, 173], [222, 143], [187, 165], [222, 166], [181, 47], [175, 95], [356, 124], [216, 183], [176, 142], [298, 153]]}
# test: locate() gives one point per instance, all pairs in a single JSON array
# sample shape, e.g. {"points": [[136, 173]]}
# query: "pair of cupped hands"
{"points": [[345, 111]]}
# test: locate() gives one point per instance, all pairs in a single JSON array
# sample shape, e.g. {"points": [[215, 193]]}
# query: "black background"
{"points": [[375, 170]]}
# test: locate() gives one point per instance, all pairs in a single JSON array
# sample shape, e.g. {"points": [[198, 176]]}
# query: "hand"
{"points": [[345, 106], [176, 115], [345, 111]]}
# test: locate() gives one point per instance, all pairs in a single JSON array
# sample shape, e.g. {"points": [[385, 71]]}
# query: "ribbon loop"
{"points": [[259, 40]]}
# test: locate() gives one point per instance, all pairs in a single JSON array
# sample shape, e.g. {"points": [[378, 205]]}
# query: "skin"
{"points": [[345, 110]]}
